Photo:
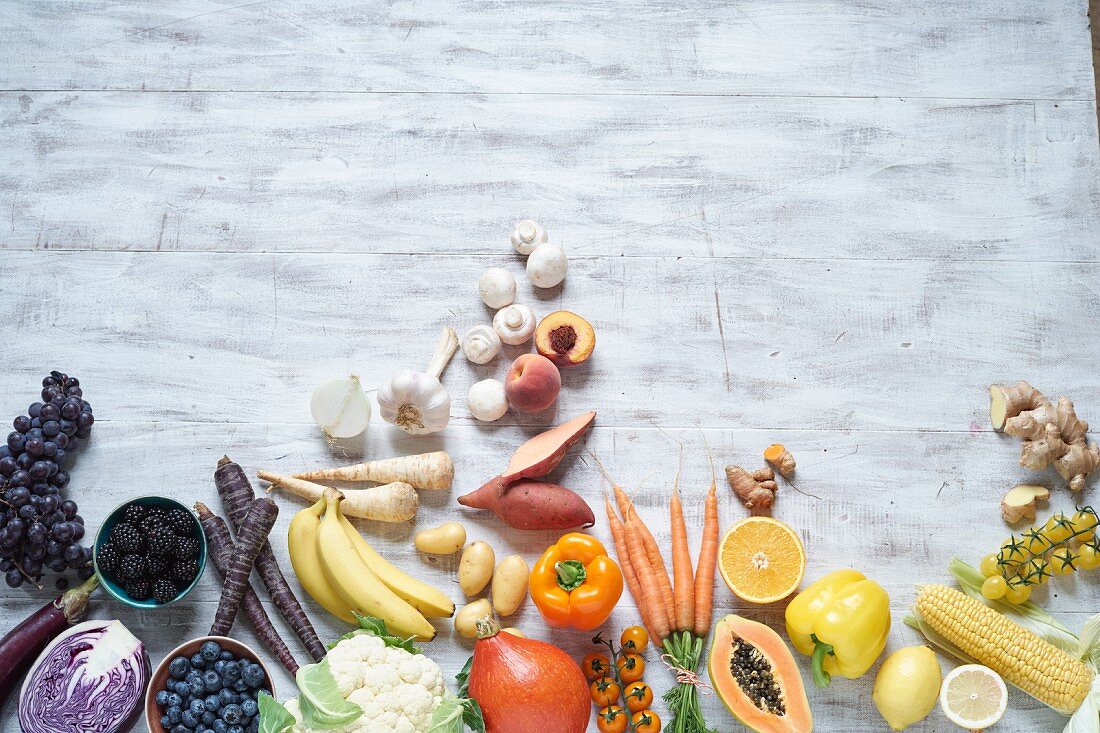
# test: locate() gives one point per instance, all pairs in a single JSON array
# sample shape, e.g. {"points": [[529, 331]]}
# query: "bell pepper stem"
{"points": [[571, 574], [821, 650]]}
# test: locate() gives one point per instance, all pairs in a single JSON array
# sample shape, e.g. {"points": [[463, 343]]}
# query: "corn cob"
{"points": [[1042, 670]]}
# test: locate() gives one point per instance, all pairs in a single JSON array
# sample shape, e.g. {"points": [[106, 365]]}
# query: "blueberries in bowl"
{"points": [[212, 689]]}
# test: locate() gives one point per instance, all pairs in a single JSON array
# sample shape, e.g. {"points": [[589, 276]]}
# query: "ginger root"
{"points": [[1019, 502], [777, 455], [1052, 433], [756, 489]]}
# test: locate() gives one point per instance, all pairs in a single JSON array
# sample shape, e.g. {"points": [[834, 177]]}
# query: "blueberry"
{"points": [[254, 726], [220, 726], [182, 688], [249, 708], [165, 722], [212, 680], [232, 673], [210, 650], [174, 700], [174, 713], [193, 674], [179, 728], [197, 686], [219, 666], [162, 698], [240, 686], [197, 660], [234, 729], [227, 697], [178, 667], [253, 675], [226, 655], [209, 717], [211, 703], [196, 706], [189, 719], [232, 714]]}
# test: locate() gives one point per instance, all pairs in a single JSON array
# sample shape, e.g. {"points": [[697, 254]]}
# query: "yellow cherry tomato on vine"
{"points": [[1063, 561], [611, 719], [1018, 592], [634, 639], [1090, 556], [595, 666], [1083, 520], [638, 696], [604, 692], [646, 721], [994, 587], [989, 566], [1058, 528], [631, 668]]}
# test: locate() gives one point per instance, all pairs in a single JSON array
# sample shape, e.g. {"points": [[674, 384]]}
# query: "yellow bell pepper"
{"points": [[841, 621]]}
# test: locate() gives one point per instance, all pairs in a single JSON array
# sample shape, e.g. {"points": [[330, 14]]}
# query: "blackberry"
{"points": [[181, 522], [127, 538], [131, 567], [134, 514], [161, 541], [157, 565], [140, 589], [164, 590], [108, 558], [154, 519], [187, 547], [184, 571]]}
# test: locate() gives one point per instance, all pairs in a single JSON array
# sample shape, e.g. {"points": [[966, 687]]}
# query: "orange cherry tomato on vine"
{"points": [[604, 692], [638, 696], [595, 666], [646, 721], [612, 719], [631, 668], [634, 639]]}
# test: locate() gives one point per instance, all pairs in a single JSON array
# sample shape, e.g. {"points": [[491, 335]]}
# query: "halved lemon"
{"points": [[761, 559], [973, 697]]}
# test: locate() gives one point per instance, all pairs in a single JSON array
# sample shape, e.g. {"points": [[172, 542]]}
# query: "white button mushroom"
{"points": [[514, 324], [486, 400], [481, 344], [497, 287], [527, 236], [546, 266]]}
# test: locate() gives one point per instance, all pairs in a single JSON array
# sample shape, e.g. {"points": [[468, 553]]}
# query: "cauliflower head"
{"points": [[397, 691]]}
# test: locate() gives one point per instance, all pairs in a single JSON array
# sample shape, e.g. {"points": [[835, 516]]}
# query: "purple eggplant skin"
{"points": [[22, 645]]}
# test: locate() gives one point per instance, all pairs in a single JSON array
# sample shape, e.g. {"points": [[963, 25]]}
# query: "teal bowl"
{"points": [[105, 531]]}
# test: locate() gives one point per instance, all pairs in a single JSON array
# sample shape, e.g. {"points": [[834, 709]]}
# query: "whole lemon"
{"points": [[907, 686]]}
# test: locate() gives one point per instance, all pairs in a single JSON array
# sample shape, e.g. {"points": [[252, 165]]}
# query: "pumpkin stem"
{"points": [[487, 628]]}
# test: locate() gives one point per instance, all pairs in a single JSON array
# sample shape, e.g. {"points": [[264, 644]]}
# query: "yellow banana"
{"points": [[302, 543], [357, 584], [429, 601]]}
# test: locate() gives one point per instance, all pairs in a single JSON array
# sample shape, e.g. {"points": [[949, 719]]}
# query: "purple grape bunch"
{"points": [[40, 530]]}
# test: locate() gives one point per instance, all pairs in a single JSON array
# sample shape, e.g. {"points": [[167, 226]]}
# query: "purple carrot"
{"points": [[251, 536], [22, 645], [221, 549], [237, 495]]}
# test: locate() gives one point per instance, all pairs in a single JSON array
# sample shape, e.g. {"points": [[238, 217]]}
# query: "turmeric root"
{"points": [[1052, 433], [756, 489], [777, 455]]}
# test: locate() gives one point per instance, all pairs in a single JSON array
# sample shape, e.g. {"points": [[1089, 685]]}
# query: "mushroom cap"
{"points": [[497, 287], [514, 324], [546, 266], [527, 236]]}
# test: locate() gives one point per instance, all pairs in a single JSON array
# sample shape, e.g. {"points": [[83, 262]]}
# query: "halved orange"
{"points": [[761, 559]]}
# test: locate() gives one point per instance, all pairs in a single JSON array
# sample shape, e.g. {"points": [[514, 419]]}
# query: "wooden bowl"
{"points": [[153, 713]]}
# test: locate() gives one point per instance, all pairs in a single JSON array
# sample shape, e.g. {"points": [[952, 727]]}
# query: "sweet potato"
{"points": [[541, 454], [532, 504]]}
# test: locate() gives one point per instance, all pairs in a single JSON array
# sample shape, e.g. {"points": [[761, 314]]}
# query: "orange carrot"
{"points": [[647, 581], [684, 590], [630, 575], [652, 552], [708, 558]]}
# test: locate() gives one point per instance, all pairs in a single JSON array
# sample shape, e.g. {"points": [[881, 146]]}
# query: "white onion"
{"points": [[341, 407]]}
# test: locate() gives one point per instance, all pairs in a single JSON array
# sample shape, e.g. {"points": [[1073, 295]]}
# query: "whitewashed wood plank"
{"points": [[631, 175], [811, 344], [987, 48], [883, 508]]}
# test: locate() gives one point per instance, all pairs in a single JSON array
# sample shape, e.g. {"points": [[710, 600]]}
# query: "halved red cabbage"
{"points": [[90, 679]]}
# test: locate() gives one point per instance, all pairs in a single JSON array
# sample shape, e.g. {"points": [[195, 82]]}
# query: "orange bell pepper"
{"points": [[575, 584]]}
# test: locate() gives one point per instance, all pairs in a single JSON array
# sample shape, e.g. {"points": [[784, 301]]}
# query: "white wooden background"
{"points": [[828, 223]]}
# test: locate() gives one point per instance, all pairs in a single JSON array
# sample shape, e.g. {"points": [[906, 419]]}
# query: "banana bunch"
{"points": [[343, 573]]}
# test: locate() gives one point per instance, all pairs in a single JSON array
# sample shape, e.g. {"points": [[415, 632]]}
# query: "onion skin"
{"points": [[526, 684], [22, 645]]}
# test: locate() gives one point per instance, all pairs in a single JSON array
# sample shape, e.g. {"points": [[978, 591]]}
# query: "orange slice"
{"points": [[761, 559]]}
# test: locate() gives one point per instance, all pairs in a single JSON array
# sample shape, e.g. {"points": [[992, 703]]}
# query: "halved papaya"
{"points": [[756, 676]]}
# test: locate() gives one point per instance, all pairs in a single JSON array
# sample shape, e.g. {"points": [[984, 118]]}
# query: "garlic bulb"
{"points": [[487, 401], [481, 344], [546, 266], [341, 407], [527, 236], [497, 287], [417, 402], [514, 324]]}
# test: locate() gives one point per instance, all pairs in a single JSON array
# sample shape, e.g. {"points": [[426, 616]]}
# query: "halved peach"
{"points": [[565, 338]]}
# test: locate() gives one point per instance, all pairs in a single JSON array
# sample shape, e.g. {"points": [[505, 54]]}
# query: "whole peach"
{"points": [[532, 383]]}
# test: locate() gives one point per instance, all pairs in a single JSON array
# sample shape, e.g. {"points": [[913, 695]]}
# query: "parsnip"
{"points": [[424, 471], [396, 502]]}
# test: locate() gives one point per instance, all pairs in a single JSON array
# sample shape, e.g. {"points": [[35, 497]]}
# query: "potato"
{"points": [[514, 632], [510, 584], [466, 619], [475, 569], [446, 539]]}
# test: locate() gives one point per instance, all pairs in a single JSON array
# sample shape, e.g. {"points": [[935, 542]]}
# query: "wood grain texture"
{"points": [[829, 223], [635, 175], [983, 49]]}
